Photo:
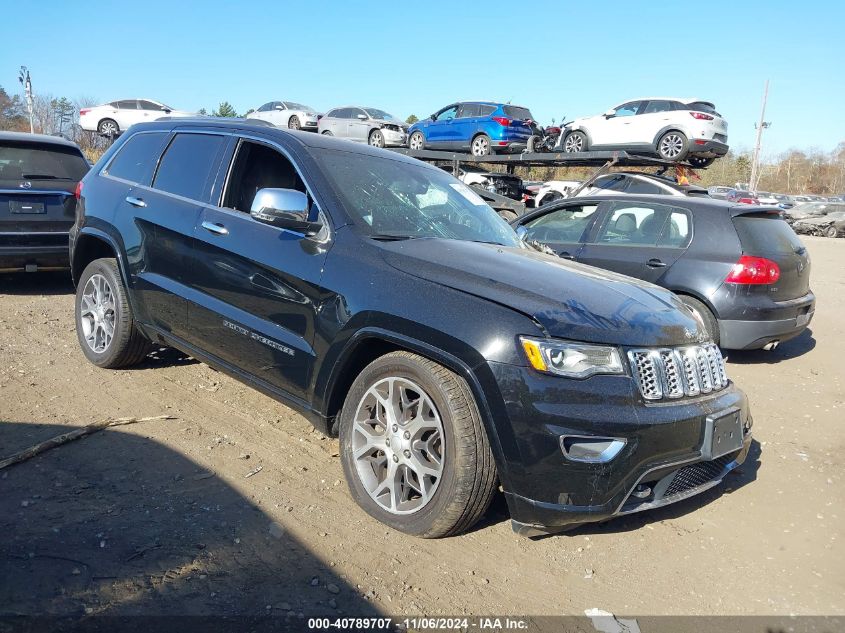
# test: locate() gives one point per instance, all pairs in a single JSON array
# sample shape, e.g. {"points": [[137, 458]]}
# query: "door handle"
{"points": [[136, 202], [566, 255], [654, 262], [217, 229]]}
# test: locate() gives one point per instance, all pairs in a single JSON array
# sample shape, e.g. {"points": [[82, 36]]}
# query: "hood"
{"points": [[568, 300]]}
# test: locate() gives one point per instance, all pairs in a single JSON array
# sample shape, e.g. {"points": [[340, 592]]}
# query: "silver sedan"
{"points": [[364, 125]]}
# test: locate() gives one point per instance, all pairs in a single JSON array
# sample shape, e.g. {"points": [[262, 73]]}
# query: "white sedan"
{"points": [[110, 119], [289, 114]]}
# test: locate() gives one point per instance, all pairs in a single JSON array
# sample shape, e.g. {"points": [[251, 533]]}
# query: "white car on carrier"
{"points": [[674, 129], [110, 119]]}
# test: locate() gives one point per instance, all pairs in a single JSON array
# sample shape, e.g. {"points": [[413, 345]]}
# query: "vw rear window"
{"points": [[760, 234], [40, 161]]}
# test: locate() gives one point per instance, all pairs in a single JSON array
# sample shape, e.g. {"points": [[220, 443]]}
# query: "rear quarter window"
{"points": [[515, 112], [136, 160], [761, 234]]}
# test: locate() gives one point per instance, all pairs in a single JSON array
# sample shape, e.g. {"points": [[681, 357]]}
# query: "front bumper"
{"points": [[708, 148], [547, 492], [394, 139]]}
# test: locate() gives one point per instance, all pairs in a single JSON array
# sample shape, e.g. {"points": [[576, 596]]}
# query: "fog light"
{"points": [[591, 450]]}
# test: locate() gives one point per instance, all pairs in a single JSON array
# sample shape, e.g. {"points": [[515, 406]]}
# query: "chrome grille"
{"points": [[677, 372]]}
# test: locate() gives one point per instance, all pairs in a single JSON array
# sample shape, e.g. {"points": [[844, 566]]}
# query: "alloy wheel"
{"points": [[108, 128], [573, 143], [671, 146], [480, 146], [397, 445], [97, 313], [416, 141], [377, 139]]}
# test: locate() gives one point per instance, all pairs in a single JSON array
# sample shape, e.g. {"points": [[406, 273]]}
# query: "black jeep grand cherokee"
{"points": [[384, 300]]}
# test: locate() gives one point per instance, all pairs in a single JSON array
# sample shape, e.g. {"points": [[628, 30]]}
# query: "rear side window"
{"points": [[468, 110], [486, 110], [762, 234], [642, 186], [187, 165], [136, 160], [612, 183], [40, 161]]}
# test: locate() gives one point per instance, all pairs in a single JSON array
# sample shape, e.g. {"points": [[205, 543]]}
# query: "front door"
{"points": [[255, 286], [439, 131], [619, 129], [563, 229]]}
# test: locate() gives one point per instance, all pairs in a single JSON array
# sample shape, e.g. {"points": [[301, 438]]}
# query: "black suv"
{"points": [[740, 267], [39, 175], [384, 300]]}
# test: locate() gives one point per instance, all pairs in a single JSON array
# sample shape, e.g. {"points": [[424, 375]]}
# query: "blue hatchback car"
{"points": [[482, 127]]}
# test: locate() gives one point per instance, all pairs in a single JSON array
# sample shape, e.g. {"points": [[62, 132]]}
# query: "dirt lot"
{"points": [[160, 517]]}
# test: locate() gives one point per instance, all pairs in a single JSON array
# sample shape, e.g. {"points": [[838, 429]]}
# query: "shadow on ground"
{"points": [[117, 524], [787, 350], [48, 284]]}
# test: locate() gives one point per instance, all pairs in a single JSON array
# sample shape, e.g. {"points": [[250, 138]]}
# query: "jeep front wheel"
{"points": [[414, 449]]}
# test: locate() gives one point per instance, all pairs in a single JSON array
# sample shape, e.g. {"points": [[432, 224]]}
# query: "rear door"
{"points": [[767, 235], [157, 220], [128, 113], [639, 239], [255, 287], [656, 115], [563, 229], [357, 128]]}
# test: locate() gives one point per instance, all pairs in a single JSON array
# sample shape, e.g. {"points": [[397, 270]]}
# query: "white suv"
{"points": [[674, 129]]}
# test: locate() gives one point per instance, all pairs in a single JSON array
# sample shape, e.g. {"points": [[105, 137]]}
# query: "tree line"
{"points": [[794, 171]]}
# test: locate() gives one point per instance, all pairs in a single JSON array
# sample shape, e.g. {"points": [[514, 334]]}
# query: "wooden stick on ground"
{"points": [[75, 434]]}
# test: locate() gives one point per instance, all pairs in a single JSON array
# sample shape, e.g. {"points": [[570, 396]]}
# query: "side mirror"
{"points": [[609, 114], [361, 117], [285, 209], [521, 232]]}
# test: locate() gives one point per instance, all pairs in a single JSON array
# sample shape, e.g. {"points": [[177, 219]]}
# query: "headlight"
{"points": [[574, 360]]}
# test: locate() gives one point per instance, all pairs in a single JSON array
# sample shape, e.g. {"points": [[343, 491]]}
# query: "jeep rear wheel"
{"points": [[414, 449], [105, 326]]}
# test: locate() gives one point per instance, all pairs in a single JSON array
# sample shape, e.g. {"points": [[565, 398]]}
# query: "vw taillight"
{"points": [[750, 270]]}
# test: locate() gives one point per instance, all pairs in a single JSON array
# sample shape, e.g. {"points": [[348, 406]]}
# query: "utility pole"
{"points": [[755, 163], [26, 82]]}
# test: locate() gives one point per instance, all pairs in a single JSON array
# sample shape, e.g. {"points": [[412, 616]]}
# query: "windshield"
{"points": [[291, 105], [396, 199], [41, 161], [380, 114]]}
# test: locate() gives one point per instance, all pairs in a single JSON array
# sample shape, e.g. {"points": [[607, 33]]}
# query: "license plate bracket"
{"points": [[722, 434], [16, 206]]}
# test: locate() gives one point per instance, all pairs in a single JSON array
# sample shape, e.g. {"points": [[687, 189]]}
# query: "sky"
{"points": [[561, 59]]}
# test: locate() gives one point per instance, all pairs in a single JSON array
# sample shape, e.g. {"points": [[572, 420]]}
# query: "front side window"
{"points": [[136, 160], [380, 114], [616, 182], [447, 114], [563, 225], [266, 107], [187, 165], [151, 105], [257, 167], [629, 109], [397, 199]]}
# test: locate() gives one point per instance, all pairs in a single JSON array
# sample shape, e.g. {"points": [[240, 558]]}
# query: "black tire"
{"points": [[108, 127], [575, 142], [480, 145], [376, 138], [700, 161], [416, 137], [327, 133], [293, 123], [703, 312], [673, 146], [533, 144], [127, 346], [468, 479], [831, 232]]}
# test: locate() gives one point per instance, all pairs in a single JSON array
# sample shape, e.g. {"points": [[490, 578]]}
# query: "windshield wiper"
{"points": [[45, 177], [392, 237]]}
